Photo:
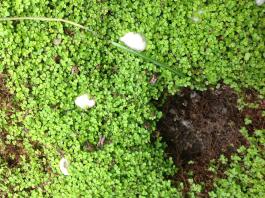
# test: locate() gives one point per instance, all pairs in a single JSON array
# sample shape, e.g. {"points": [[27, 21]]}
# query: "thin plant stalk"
{"points": [[143, 56], [122, 47], [46, 19]]}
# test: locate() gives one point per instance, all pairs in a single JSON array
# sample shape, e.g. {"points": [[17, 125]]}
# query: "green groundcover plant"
{"points": [[49, 64]]}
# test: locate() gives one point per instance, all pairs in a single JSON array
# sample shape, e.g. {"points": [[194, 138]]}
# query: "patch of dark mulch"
{"points": [[255, 114], [57, 59], [69, 32], [10, 153], [5, 96], [199, 126]]}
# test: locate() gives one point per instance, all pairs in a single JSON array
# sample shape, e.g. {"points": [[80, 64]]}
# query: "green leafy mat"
{"points": [[204, 41]]}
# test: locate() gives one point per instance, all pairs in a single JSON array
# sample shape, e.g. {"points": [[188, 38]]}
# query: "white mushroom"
{"points": [[134, 41], [57, 41], [260, 2], [195, 19], [84, 102], [64, 166]]}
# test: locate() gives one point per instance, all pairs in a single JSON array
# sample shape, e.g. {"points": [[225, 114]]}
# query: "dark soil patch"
{"points": [[57, 59], [69, 32], [255, 114], [10, 153], [199, 127], [5, 96]]}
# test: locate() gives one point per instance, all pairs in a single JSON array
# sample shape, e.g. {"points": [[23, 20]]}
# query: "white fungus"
{"points": [[134, 41], [84, 102], [64, 166], [57, 41], [195, 19], [260, 2], [200, 12]]}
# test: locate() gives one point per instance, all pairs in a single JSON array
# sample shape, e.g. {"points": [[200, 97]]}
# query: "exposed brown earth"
{"points": [[201, 126]]}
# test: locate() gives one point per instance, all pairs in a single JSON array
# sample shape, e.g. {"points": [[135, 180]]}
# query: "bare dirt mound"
{"points": [[199, 127]]}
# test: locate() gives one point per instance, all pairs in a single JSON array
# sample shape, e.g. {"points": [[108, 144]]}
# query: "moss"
{"points": [[227, 44]]}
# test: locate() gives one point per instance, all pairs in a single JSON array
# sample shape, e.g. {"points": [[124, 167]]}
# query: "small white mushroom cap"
{"points": [[57, 41], [84, 102], [200, 11], [260, 2], [134, 41], [195, 19], [64, 166]]}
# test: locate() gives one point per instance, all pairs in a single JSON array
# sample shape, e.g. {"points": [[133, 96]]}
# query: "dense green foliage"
{"points": [[246, 172], [227, 43]]}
